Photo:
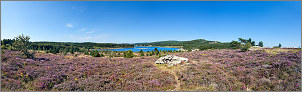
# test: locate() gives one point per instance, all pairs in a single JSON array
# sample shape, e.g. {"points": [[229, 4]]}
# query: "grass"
{"points": [[280, 50]]}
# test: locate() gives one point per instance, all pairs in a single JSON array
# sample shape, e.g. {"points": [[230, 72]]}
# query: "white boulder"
{"points": [[171, 60]]}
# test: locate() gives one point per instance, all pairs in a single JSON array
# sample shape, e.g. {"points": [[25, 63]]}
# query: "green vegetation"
{"points": [[21, 43], [86, 53], [235, 44], [189, 45], [129, 54], [260, 44], [56, 47], [246, 46], [95, 53], [279, 46], [141, 52], [88, 48]]}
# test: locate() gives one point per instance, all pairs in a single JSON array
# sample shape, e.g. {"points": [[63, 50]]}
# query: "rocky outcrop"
{"points": [[171, 60]]}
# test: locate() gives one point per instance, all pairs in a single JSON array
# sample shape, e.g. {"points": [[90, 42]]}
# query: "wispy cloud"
{"points": [[87, 38], [69, 25], [90, 32], [82, 29]]}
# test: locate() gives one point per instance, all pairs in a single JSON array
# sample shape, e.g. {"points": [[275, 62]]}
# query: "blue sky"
{"points": [[272, 22]]}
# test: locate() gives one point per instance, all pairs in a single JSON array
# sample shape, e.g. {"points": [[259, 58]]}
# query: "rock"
{"points": [[29, 60], [170, 65], [171, 60], [266, 66], [265, 80]]}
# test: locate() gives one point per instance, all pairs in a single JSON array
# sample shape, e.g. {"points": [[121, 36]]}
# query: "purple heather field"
{"points": [[208, 70]]}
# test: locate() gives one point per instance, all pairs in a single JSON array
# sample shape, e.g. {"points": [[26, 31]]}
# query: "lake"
{"points": [[138, 48]]}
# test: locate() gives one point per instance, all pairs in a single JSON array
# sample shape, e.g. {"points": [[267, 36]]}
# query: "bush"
{"points": [[246, 47], [95, 53], [3, 47], [235, 44], [129, 54], [86, 52]]}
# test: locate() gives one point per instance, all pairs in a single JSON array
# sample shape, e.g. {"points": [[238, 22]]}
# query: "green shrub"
{"points": [[95, 53], [86, 52], [246, 47], [3, 47], [129, 54]]}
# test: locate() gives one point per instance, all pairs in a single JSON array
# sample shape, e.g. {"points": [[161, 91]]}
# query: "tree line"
{"points": [[22, 43]]}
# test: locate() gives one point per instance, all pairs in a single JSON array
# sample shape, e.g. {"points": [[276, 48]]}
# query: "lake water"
{"points": [[138, 48]]}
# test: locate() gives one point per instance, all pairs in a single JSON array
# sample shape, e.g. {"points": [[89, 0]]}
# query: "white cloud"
{"points": [[69, 25], [90, 32]]}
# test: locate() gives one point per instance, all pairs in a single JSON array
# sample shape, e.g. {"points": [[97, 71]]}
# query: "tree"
{"points": [[260, 44], [253, 43], [250, 40], [235, 44], [242, 40], [156, 51], [22, 44], [279, 45], [142, 53]]}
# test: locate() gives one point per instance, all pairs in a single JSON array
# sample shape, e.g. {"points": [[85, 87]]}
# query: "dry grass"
{"points": [[280, 50]]}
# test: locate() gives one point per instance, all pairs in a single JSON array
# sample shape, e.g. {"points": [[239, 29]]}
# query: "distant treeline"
{"points": [[56, 47], [201, 44]]}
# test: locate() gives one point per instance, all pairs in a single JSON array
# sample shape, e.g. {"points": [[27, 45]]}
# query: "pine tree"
{"points": [[260, 44], [156, 51], [253, 43]]}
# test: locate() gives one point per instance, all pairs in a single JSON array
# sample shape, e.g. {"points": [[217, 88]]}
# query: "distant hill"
{"points": [[193, 44], [178, 43]]}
